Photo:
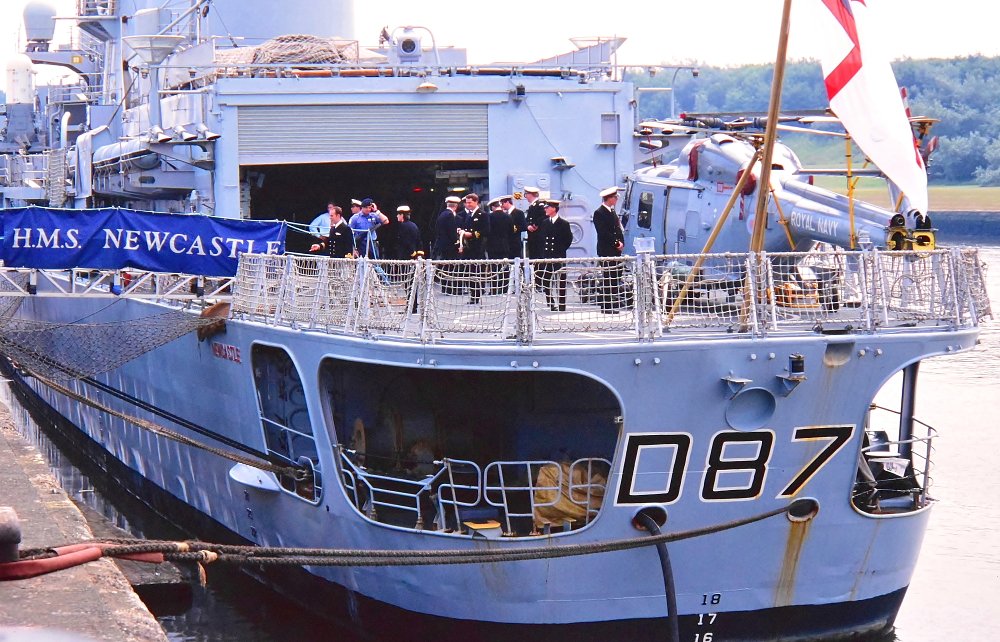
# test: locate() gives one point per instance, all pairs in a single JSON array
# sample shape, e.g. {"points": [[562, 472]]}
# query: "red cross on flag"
{"points": [[864, 95]]}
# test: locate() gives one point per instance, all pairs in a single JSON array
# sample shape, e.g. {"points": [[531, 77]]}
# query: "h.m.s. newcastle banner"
{"points": [[113, 238]]}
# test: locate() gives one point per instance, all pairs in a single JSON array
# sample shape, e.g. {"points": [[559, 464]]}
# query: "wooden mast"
{"points": [[771, 132]]}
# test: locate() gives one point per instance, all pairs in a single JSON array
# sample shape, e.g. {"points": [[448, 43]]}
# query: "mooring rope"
{"points": [[195, 551]]}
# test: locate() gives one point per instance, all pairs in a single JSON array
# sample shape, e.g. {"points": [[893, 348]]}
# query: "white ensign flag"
{"points": [[864, 95]]}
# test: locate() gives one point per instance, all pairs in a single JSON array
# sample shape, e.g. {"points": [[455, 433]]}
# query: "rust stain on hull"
{"points": [[797, 534]]}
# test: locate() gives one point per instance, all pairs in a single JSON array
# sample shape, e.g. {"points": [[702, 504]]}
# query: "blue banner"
{"points": [[113, 238]]}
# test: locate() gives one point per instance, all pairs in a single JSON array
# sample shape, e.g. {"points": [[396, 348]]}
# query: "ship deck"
{"points": [[645, 298]]}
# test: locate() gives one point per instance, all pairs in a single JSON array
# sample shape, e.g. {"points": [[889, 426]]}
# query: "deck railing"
{"points": [[642, 298]]}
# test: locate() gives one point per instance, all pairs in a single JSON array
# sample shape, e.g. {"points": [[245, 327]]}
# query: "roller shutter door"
{"points": [[281, 134]]}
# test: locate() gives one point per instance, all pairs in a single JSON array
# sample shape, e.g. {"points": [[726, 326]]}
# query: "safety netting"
{"points": [[78, 350]]}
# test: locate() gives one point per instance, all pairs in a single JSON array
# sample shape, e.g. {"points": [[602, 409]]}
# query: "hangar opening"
{"points": [[298, 193], [294, 158]]}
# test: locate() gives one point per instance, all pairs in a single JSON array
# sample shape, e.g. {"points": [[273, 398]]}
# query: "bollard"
{"points": [[10, 535]]}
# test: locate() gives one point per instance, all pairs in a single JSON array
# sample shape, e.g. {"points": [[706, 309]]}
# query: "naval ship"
{"points": [[693, 444]]}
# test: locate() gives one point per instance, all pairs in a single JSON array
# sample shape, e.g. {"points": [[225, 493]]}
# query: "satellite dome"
{"points": [[38, 20]]}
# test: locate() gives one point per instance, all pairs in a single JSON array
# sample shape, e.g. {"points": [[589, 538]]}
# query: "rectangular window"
{"points": [[645, 210]]}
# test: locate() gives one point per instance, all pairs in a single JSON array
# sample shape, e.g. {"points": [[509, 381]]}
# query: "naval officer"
{"points": [[407, 248], [339, 242], [518, 224], [556, 237], [475, 232], [610, 243], [446, 230], [446, 243], [407, 235], [534, 217], [498, 246]]}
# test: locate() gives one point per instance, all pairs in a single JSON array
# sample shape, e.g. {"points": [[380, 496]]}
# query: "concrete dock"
{"points": [[89, 602]]}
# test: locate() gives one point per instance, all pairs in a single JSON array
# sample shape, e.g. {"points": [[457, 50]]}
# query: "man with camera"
{"points": [[363, 224]]}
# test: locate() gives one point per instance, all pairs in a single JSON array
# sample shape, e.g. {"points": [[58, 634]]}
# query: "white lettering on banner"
{"points": [[48, 240], [132, 240], [110, 237], [234, 245], [156, 240], [138, 241], [197, 247], [173, 243], [55, 239], [22, 237]]}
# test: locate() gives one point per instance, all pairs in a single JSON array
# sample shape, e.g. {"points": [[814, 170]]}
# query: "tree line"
{"points": [[964, 93]]}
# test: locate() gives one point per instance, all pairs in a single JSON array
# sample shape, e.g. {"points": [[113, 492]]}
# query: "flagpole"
{"points": [[771, 132]]}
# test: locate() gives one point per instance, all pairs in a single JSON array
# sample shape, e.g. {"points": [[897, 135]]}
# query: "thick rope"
{"points": [[193, 551]]}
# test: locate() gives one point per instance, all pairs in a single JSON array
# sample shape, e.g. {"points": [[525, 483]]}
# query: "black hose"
{"points": [[673, 622]]}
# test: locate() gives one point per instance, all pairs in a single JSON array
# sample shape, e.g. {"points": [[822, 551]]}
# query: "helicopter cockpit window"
{"points": [[645, 218]]}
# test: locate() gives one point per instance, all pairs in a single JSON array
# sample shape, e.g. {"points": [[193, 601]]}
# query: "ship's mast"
{"points": [[771, 132]]}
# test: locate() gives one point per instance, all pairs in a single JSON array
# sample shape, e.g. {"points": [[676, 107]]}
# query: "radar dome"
{"points": [[38, 21], [20, 80]]}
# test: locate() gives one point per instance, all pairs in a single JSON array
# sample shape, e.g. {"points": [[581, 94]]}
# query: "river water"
{"points": [[956, 588], [953, 595]]}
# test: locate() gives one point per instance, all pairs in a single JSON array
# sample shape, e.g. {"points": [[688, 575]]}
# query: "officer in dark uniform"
{"points": [[446, 230], [497, 243], [407, 247], [498, 246], [610, 243], [339, 243], [407, 235], [556, 236], [476, 232], [446, 241], [535, 216], [518, 223]]}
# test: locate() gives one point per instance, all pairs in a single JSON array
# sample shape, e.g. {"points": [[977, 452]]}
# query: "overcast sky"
{"points": [[720, 32]]}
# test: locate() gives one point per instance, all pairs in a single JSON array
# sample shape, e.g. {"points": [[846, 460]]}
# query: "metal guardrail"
{"points": [[916, 453], [516, 489], [522, 302], [504, 481], [409, 495], [135, 284], [640, 298]]}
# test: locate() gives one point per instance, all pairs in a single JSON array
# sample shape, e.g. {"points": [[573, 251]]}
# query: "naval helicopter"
{"points": [[704, 200]]}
